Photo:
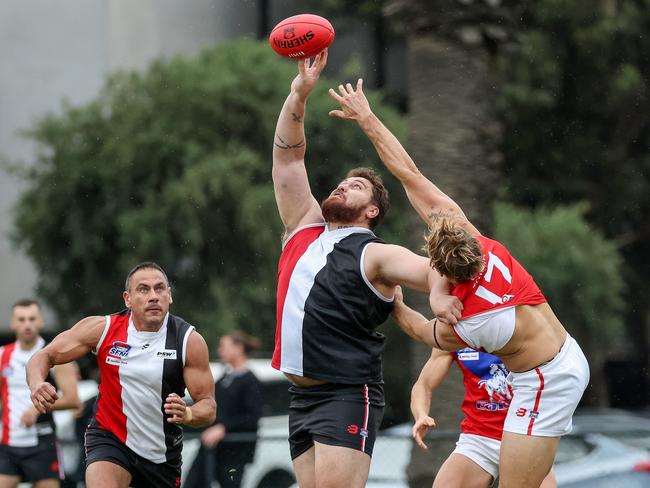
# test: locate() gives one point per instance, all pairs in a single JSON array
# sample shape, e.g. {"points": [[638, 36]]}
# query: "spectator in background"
{"points": [[232, 439]]}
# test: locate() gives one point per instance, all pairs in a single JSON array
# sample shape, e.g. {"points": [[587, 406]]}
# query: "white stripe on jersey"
{"points": [[20, 397], [141, 405], [300, 285]]}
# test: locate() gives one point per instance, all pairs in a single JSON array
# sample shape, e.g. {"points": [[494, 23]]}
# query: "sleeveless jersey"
{"points": [[138, 370], [16, 398], [327, 309], [487, 393], [502, 283]]}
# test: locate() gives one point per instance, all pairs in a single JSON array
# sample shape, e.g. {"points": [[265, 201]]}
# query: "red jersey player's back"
{"points": [[502, 283]]}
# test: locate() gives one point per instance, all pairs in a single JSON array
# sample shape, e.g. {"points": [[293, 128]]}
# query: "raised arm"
{"points": [[64, 348], [296, 204], [425, 197], [200, 386], [431, 377]]}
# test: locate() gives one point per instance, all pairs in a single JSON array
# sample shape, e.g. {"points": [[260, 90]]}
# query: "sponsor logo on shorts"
{"points": [[533, 414], [166, 354], [364, 432], [119, 349]]}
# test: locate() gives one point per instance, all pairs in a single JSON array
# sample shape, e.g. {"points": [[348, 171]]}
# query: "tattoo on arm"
{"points": [[280, 143], [296, 118]]}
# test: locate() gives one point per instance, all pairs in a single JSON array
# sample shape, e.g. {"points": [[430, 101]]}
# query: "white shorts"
{"points": [[482, 450], [545, 398]]}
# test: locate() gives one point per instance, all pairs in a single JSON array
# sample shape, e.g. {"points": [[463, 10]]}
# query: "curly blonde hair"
{"points": [[453, 252]]}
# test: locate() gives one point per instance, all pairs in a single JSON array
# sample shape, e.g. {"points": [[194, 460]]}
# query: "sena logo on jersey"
{"points": [[120, 349], [167, 354]]}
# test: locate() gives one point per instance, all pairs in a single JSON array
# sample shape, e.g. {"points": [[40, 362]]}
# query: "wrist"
{"points": [[188, 415]]}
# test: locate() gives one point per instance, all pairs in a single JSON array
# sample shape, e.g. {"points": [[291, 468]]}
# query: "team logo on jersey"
{"points": [[496, 383], [166, 354], [120, 349]]}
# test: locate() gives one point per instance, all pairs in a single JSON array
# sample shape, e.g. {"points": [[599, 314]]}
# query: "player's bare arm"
{"points": [[64, 348], [425, 197], [200, 386], [296, 204], [431, 377], [413, 323]]}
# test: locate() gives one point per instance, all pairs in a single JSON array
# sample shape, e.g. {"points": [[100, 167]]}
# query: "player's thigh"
{"points": [[459, 471], [104, 474], [525, 460], [48, 483], [305, 468], [9, 481], [338, 466]]}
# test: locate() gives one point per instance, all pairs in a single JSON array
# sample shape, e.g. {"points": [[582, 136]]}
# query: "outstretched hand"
{"points": [[420, 429], [354, 104], [308, 74]]}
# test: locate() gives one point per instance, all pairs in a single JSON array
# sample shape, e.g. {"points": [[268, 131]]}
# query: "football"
{"points": [[301, 36]]}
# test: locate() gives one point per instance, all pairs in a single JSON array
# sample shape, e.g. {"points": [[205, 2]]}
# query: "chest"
{"points": [[142, 358]]}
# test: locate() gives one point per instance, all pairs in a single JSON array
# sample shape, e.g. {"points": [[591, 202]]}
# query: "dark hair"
{"points": [[379, 192], [453, 252], [249, 342], [144, 265], [26, 302]]}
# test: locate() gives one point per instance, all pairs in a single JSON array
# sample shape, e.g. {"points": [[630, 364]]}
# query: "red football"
{"points": [[301, 36]]}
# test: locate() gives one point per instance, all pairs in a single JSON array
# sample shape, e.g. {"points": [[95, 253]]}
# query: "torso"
{"points": [[328, 311], [16, 398], [537, 335], [138, 370]]}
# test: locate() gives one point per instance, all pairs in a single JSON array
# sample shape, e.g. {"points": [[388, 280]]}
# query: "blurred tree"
{"points": [[574, 100], [174, 165], [579, 272]]}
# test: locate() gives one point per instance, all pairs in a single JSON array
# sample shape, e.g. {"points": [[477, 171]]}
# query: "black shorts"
{"points": [[32, 464], [101, 445], [335, 414]]}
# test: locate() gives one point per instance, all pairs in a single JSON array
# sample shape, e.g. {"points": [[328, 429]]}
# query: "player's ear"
{"points": [[127, 299], [372, 212]]}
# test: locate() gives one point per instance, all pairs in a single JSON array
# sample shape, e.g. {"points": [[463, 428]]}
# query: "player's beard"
{"points": [[336, 211]]}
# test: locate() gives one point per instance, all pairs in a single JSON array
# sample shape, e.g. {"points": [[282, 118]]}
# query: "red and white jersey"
{"points": [[138, 371], [16, 399], [502, 283], [487, 393]]}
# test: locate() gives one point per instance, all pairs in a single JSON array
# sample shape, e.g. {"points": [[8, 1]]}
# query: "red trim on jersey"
{"points": [[7, 352], [110, 410], [293, 250], [537, 400], [520, 290], [366, 411]]}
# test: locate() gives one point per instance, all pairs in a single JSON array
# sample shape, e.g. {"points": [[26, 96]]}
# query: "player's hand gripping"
{"points": [[308, 74], [420, 429], [43, 397], [177, 409], [448, 309], [354, 104]]}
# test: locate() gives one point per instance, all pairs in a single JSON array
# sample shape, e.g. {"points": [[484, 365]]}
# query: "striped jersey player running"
{"points": [[29, 450], [147, 357]]}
